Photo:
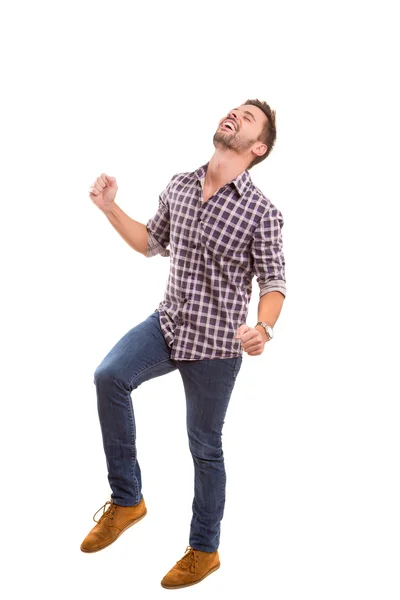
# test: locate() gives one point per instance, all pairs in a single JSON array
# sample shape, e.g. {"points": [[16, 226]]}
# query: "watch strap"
{"points": [[264, 326]]}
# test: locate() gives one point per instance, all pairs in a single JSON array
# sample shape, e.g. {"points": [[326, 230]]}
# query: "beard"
{"points": [[227, 141]]}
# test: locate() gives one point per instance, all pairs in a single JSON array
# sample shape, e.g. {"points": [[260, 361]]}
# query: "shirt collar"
{"points": [[241, 182]]}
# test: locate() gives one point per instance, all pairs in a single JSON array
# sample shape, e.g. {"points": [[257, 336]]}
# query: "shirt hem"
{"points": [[177, 356]]}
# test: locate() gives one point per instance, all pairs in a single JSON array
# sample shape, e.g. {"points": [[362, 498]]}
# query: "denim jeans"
{"points": [[140, 355]]}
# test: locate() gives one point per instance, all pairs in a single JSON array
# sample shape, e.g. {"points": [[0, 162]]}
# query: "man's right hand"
{"points": [[103, 192]]}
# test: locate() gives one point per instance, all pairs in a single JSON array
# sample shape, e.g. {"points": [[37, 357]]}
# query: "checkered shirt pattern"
{"points": [[215, 248]]}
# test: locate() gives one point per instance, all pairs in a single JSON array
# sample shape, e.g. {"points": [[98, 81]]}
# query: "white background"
{"points": [[311, 438]]}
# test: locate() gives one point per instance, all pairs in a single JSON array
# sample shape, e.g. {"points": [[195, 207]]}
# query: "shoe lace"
{"points": [[189, 559], [106, 513]]}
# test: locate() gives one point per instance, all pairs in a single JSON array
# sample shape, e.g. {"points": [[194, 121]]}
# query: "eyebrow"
{"points": [[247, 112], [250, 113]]}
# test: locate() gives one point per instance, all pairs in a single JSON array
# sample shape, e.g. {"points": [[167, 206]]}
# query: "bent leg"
{"points": [[140, 355]]}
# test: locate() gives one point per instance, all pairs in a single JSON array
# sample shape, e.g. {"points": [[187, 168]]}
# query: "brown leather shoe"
{"points": [[111, 524], [192, 568]]}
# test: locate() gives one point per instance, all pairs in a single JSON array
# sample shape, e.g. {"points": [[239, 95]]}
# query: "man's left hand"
{"points": [[253, 340]]}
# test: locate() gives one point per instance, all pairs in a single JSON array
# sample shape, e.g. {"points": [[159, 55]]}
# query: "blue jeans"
{"points": [[140, 355]]}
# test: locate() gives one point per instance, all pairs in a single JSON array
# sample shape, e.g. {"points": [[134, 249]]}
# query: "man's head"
{"points": [[248, 130]]}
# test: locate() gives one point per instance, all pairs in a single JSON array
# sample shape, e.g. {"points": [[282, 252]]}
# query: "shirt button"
{"points": [[194, 246]]}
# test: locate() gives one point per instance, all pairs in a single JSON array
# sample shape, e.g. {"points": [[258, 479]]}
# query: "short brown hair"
{"points": [[268, 134]]}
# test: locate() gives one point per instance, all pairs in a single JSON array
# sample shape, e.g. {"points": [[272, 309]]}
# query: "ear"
{"points": [[260, 149]]}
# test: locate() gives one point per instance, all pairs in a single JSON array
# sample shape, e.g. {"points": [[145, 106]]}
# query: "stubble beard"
{"points": [[225, 141]]}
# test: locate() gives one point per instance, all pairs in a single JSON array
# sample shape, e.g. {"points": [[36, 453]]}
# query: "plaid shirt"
{"points": [[215, 249]]}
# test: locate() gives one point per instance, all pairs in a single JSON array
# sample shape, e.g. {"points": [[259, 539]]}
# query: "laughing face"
{"points": [[240, 129]]}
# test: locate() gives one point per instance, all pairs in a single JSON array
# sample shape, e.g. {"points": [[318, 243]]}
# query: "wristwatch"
{"points": [[268, 330]]}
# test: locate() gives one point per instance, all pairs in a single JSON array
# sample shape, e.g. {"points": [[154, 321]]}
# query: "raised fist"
{"points": [[103, 192]]}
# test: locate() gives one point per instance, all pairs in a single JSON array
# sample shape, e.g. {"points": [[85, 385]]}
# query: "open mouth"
{"points": [[228, 125]]}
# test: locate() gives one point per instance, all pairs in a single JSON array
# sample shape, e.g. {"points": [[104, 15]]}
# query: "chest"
{"points": [[220, 223]]}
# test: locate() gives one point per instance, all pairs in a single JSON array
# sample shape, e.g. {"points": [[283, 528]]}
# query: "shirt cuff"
{"points": [[154, 247], [273, 286]]}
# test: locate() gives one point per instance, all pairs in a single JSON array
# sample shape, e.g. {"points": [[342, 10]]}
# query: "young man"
{"points": [[221, 231]]}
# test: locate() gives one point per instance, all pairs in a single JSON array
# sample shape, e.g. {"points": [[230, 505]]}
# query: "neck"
{"points": [[224, 166]]}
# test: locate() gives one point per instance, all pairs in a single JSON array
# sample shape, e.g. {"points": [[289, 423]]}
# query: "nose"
{"points": [[233, 115]]}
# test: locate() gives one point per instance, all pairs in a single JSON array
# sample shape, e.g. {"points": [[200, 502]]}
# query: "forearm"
{"points": [[133, 232], [269, 308]]}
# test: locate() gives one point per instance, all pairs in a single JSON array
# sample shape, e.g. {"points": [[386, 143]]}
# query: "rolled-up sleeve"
{"points": [[267, 252], [158, 227]]}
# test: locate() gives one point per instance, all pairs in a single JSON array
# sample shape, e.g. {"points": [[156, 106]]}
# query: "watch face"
{"points": [[270, 331]]}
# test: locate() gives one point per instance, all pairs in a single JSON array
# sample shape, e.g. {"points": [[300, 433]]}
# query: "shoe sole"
{"points": [[115, 539], [177, 587]]}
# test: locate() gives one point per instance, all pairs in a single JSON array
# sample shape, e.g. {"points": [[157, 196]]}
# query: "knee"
{"points": [[104, 373], [205, 446]]}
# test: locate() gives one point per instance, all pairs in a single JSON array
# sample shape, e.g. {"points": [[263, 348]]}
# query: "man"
{"points": [[221, 231]]}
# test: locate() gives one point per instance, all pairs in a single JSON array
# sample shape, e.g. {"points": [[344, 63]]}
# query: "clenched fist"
{"points": [[253, 341], [103, 192]]}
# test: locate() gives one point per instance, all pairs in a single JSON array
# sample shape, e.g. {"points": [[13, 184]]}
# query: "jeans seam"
{"points": [[133, 457], [234, 369]]}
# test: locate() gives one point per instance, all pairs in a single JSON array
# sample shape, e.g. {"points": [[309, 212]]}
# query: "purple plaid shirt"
{"points": [[215, 249]]}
